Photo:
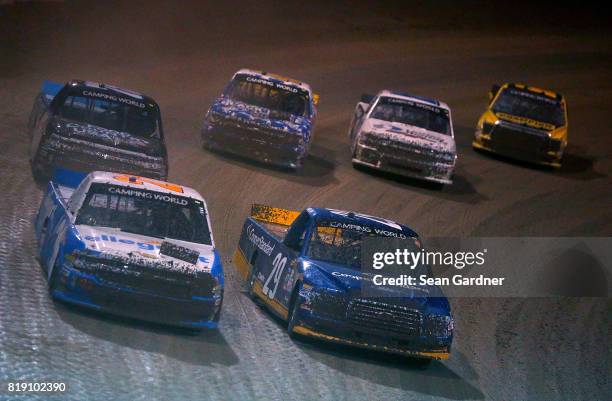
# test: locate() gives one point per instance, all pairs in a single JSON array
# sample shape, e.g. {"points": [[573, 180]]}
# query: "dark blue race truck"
{"points": [[262, 116], [305, 268], [86, 126]]}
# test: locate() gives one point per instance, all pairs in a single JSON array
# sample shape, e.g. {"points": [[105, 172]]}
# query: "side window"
{"points": [[74, 108], [297, 233]]}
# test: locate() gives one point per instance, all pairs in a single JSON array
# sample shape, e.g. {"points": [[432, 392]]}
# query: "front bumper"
{"points": [[78, 155], [336, 329], [520, 143], [89, 291], [406, 166], [253, 144]]}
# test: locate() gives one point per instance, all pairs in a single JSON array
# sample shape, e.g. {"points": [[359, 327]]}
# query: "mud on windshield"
{"points": [[342, 245], [275, 96], [113, 113], [412, 113], [148, 213]]}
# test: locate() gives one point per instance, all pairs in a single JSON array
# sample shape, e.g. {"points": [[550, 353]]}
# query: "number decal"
{"points": [[278, 265]]}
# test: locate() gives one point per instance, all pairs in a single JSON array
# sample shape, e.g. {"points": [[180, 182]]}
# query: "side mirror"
{"points": [[494, 89], [365, 98], [359, 112], [315, 99]]}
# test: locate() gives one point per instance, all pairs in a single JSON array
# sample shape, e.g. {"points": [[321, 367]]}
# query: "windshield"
{"points": [[412, 113], [341, 245], [530, 105], [133, 117], [143, 212], [270, 95]]}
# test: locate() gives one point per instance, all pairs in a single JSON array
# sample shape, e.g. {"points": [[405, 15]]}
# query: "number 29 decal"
{"points": [[278, 266]]}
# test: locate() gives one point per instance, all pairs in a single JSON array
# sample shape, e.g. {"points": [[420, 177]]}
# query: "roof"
{"points": [[414, 98], [276, 78], [534, 89], [134, 181], [360, 218]]}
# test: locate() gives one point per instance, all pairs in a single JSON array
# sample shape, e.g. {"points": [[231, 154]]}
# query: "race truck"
{"points": [[404, 134], [305, 268], [86, 126], [525, 123], [131, 246], [263, 116]]}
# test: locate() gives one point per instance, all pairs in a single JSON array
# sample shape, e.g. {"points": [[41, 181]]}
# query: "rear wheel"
{"points": [[251, 284], [39, 172]]}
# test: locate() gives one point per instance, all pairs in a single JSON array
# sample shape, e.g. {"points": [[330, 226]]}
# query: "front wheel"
{"points": [[420, 363], [53, 280], [292, 318]]}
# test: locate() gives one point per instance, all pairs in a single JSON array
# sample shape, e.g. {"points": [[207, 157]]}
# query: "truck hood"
{"points": [[409, 134], [350, 281], [114, 243], [250, 114], [107, 137]]}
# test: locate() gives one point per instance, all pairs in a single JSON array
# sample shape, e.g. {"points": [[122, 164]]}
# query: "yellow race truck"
{"points": [[525, 123]]}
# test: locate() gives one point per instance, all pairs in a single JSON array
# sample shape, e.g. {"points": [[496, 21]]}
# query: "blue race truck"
{"points": [[131, 246], [262, 116], [305, 268]]}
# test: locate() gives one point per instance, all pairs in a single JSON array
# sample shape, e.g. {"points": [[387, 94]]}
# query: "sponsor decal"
{"points": [[179, 252], [527, 121], [139, 245], [277, 85], [264, 245], [114, 98], [410, 103], [158, 196]]}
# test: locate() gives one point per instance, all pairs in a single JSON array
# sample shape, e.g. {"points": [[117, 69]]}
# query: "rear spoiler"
{"points": [[274, 215], [68, 178]]}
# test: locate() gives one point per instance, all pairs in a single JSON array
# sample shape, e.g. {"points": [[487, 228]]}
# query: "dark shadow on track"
{"points": [[411, 374], [575, 164], [203, 348], [317, 170], [461, 190], [436, 380]]}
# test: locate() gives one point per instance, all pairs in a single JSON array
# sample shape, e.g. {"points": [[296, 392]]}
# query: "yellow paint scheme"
{"points": [[241, 263], [244, 268], [489, 117], [311, 333], [274, 215]]}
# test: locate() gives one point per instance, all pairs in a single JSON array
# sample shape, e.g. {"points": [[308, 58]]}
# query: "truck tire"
{"points": [[294, 305]]}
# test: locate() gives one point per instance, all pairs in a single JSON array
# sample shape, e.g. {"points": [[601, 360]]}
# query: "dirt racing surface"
{"points": [[504, 349]]}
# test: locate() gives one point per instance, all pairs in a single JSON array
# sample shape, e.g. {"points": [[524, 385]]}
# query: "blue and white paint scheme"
{"points": [[251, 126], [111, 269]]}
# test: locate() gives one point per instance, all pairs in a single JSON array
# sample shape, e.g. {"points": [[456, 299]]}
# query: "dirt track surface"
{"points": [[505, 349]]}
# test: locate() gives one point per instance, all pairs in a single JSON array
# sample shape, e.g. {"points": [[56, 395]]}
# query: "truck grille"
{"points": [[260, 135], [512, 136], [400, 151], [384, 318], [138, 277]]}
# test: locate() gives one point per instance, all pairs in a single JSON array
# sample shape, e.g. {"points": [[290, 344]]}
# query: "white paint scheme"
{"points": [[402, 133], [76, 197]]}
